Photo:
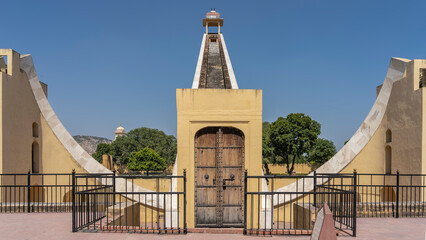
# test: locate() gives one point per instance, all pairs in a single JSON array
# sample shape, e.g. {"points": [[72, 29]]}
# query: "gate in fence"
{"points": [[268, 211], [114, 204]]}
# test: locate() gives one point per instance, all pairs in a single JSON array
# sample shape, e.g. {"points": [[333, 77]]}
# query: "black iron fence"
{"points": [[36, 192], [118, 204], [391, 195], [97, 204], [294, 210]]}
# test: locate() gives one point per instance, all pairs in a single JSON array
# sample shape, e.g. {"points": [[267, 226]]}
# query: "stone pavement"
{"points": [[46, 226]]}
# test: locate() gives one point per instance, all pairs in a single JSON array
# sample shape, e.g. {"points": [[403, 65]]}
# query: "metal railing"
{"points": [[159, 209], [268, 211], [35, 192], [97, 204], [391, 195]]}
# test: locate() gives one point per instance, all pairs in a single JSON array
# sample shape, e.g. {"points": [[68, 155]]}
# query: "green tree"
{"points": [[137, 139], [322, 151], [101, 149], [293, 137], [268, 156], [165, 145], [122, 147], [146, 160]]}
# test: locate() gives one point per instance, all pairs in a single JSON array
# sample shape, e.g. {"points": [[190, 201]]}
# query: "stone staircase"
{"points": [[122, 214]]}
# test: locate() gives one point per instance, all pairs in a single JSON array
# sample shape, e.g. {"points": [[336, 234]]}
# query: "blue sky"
{"points": [[112, 62]]}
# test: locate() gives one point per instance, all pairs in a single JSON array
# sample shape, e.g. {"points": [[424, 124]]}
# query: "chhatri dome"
{"points": [[119, 132], [213, 14], [213, 20]]}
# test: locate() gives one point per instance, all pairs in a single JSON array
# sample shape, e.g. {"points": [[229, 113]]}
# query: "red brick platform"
{"points": [[46, 226]]}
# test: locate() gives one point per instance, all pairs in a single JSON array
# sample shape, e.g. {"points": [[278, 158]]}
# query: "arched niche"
{"points": [[37, 193], [388, 160], [67, 197], [35, 157], [35, 130], [387, 194], [388, 136]]}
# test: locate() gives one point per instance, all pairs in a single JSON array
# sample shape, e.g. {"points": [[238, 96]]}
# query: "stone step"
{"points": [[216, 230], [122, 213]]}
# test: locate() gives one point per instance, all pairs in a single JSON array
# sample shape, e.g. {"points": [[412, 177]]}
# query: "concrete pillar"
{"points": [[218, 28], [266, 208], [171, 200], [107, 161], [207, 28], [13, 61]]}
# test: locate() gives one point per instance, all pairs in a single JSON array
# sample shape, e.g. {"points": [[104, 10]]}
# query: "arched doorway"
{"points": [[37, 193], [387, 194], [388, 160], [219, 168], [35, 158]]}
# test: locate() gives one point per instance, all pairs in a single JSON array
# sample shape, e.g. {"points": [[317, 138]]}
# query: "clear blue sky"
{"points": [[112, 62]]}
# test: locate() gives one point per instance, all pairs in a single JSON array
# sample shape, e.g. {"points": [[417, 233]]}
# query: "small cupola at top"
{"points": [[213, 20]]}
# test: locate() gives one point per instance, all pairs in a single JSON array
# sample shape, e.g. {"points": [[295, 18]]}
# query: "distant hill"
{"points": [[89, 143]]}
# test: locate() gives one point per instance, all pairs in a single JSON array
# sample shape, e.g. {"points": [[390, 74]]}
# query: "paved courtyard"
{"points": [[45, 226]]}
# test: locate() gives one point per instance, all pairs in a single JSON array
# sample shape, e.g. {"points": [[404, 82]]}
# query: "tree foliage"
{"points": [[268, 156], [146, 160], [293, 137], [140, 138], [101, 149], [322, 151], [164, 145], [122, 147]]}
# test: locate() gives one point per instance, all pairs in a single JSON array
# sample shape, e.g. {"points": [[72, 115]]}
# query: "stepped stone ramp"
{"points": [[214, 67]]}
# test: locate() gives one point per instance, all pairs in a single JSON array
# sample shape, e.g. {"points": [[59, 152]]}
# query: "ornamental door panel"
{"points": [[219, 166], [205, 178]]}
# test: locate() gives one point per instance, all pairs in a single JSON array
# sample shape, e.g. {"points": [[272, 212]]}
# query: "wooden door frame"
{"points": [[242, 176]]}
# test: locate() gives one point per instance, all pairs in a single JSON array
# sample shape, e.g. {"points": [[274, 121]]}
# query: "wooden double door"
{"points": [[219, 173]]}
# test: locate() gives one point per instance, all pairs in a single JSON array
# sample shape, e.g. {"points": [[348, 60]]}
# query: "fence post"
{"points": [[354, 202], [29, 191], [113, 180], [73, 200], [315, 188], [245, 202], [397, 194], [184, 201], [113, 186]]}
